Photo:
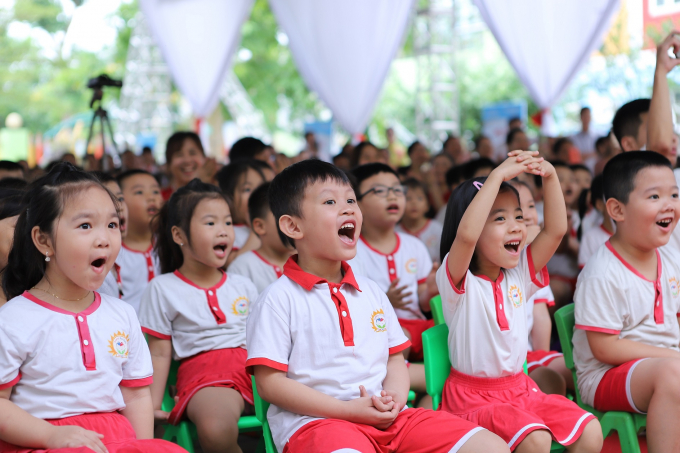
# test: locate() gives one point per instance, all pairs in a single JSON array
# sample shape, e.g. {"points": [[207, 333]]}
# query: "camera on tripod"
{"points": [[103, 80], [97, 84]]}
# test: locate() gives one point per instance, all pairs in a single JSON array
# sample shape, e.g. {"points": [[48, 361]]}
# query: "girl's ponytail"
{"points": [[44, 202]]}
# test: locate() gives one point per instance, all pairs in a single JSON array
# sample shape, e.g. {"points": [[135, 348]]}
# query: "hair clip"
{"points": [[478, 185]]}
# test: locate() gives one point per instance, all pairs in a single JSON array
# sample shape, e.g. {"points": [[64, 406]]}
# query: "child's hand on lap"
{"points": [[396, 295], [160, 416], [74, 437], [365, 410]]}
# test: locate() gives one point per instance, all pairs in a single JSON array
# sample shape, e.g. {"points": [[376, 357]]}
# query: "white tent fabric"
{"points": [[343, 50], [197, 39], [547, 42]]}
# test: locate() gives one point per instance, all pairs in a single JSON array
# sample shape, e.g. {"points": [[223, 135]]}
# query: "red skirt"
{"points": [[216, 368], [119, 437]]}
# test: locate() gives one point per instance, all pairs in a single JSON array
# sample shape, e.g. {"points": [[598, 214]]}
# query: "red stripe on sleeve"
{"points": [[400, 347], [250, 363], [143, 382], [11, 383], [153, 333], [598, 329]]}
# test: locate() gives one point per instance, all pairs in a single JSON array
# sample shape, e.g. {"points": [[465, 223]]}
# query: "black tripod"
{"points": [[104, 121]]}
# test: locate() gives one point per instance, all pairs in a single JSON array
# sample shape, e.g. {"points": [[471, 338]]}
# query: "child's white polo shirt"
{"points": [[61, 364], [197, 319], [430, 235], [332, 337], [409, 262], [256, 267], [613, 297], [487, 320], [241, 235], [591, 240], [543, 296], [137, 269], [674, 241]]}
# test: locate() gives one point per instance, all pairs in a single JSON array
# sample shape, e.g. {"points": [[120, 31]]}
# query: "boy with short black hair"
{"points": [[628, 299], [630, 125], [264, 265], [325, 346], [137, 260], [399, 263]]}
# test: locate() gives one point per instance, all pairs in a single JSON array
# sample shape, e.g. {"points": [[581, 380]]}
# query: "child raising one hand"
{"points": [[484, 289], [74, 367], [199, 312]]}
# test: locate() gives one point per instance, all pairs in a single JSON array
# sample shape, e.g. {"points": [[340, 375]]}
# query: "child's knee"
{"points": [[549, 381], [591, 439], [538, 441], [668, 375], [216, 431], [485, 441]]}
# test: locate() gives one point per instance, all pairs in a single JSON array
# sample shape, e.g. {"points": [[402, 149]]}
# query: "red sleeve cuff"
{"points": [[143, 382], [598, 329], [153, 333], [548, 302], [11, 383], [462, 283], [422, 280], [250, 363], [544, 277], [400, 347]]}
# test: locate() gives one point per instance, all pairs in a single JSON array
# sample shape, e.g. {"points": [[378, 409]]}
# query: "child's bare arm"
{"points": [[660, 117], [554, 219], [139, 410], [161, 356], [475, 216], [610, 349], [18, 427], [276, 388], [397, 383], [540, 332]]}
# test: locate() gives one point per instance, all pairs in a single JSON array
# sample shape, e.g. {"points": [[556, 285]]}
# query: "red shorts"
{"points": [[512, 407], [416, 327], [536, 359], [414, 431], [216, 368], [613, 391], [119, 437]]}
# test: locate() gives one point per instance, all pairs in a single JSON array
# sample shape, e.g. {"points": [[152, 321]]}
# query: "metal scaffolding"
{"points": [[145, 99], [437, 109], [249, 119]]}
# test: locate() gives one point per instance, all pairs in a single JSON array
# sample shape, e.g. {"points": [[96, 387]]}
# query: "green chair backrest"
{"points": [[437, 364], [565, 321], [261, 406], [437, 310]]}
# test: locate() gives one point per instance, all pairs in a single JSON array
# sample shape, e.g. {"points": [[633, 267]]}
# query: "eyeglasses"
{"points": [[383, 191]]}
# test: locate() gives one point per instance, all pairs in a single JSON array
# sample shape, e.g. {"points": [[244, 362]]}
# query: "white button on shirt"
{"points": [[197, 319], [409, 262], [255, 267], [495, 314], [61, 364], [613, 297], [295, 327]]}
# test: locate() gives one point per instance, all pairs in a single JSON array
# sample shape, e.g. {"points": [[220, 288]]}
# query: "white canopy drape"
{"points": [[547, 42], [197, 39], [343, 50]]}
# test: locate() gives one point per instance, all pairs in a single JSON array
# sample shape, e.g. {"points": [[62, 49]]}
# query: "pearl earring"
{"points": [[181, 244], [47, 256]]}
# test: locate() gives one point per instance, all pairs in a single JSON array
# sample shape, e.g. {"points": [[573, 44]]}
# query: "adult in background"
{"points": [[454, 148], [248, 148], [585, 140], [185, 160], [484, 147]]}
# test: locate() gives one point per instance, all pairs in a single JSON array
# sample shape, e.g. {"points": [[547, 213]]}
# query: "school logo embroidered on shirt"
{"points": [[118, 345], [675, 286], [412, 266], [240, 306], [515, 296], [378, 321]]}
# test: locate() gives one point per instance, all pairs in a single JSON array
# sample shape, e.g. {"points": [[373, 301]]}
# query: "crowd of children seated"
{"points": [[317, 279]]}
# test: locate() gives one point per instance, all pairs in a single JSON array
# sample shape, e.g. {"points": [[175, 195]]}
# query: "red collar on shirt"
{"points": [[396, 247], [293, 271], [88, 311], [603, 229], [416, 233], [189, 282], [149, 250], [276, 268], [658, 293]]}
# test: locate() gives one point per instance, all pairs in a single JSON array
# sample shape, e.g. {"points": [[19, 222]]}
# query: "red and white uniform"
{"points": [[199, 322], [591, 240], [112, 286], [136, 271], [241, 234], [256, 267], [61, 364], [332, 337], [613, 297], [430, 235], [409, 262], [538, 358], [488, 341], [674, 241]]}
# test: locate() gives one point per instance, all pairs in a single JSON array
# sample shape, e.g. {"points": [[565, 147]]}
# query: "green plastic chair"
{"points": [[261, 407], [184, 432], [438, 366], [626, 424], [437, 310]]}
